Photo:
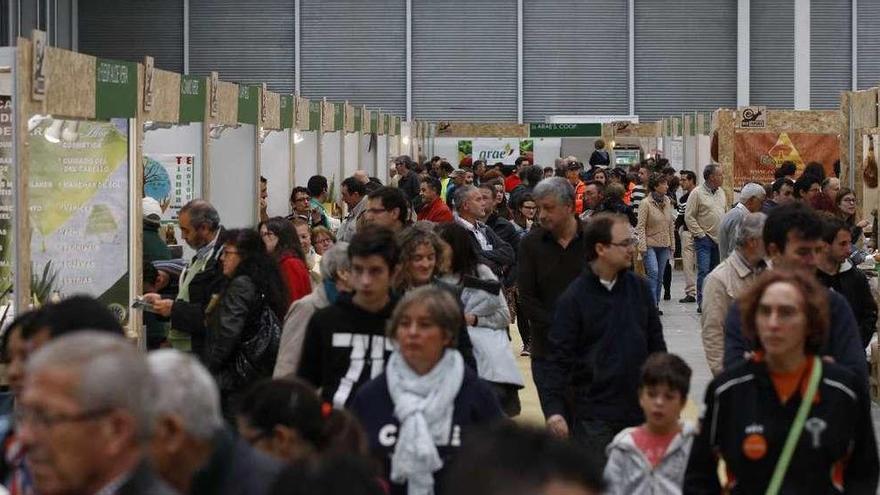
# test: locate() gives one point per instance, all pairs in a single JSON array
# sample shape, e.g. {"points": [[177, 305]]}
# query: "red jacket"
{"points": [[436, 211], [296, 277], [511, 182], [579, 190]]}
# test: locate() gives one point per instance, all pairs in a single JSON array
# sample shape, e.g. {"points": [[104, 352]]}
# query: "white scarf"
{"points": [[424, 405]]}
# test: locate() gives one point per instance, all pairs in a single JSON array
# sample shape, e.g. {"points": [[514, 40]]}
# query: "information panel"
{"points": [[78, 209]]}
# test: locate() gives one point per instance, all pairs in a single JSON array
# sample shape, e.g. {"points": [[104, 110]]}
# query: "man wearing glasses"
{"points": [[603, 331], [85, 417], [300, 203]]}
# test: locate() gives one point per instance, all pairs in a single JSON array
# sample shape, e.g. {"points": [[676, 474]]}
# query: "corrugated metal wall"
{"points": [[249, 42], [868, 23], [574, 58], [362, 57], [772, 53], [132, 29], [830, 52], [685, 56], [464, 60]]}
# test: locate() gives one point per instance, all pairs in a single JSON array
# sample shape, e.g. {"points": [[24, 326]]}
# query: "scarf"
{"points": [[659, 198], [424, 405]]}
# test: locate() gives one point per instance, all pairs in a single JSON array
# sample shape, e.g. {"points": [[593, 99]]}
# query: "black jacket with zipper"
{"points": [[852, 284], [742, 401]]}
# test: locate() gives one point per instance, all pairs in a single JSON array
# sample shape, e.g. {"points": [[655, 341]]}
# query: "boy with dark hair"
{"points": [[652, 458], [345, 344]]}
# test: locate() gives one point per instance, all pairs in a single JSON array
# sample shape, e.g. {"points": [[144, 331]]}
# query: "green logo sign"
{"points": [[286, 111], [248, 103], [565, 130], [115, 89], [192, 99]]}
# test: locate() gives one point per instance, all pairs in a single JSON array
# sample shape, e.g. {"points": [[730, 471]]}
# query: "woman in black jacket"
{"points": [[751, 408], [251, 291]]}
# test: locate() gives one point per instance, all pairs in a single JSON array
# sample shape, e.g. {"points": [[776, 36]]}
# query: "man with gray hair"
{"points": [[191, 448], [494, 252], [200, 227], [705, 206], [334, 272], [727, 281], [551, 256], [86, 416], [751, 200]]}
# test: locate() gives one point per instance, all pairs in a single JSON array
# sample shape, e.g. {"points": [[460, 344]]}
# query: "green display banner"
{"points": [[248, 103], [286, 111], [374, 122], [314, 116], [338, 116], [397, 126], [116, 90], [565, 130], [358, 119], [192, 99]]}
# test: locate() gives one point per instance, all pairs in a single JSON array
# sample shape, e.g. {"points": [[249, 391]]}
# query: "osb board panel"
{"points": [[481, 129], [328, 116], [227, 96], [844, 137], [814, 121], [302, 113], [629, 129], [271, 110], [349, 118], [864, 108], [166, 96], [22, 228], [70, 83], [725, 120]]}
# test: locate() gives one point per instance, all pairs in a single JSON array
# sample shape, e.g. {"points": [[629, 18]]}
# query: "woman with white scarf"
{"points": [[416, 414]]}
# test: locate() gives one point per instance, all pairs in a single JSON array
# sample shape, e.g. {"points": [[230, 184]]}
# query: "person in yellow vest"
{"points": [[200, 227]]}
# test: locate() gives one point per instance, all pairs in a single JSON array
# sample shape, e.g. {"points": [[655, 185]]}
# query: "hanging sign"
{"points": [[752, 117], [338, 116], [248, 101], [286, 111], [367, 121], [315, 117], [302, 113], [358, 119], [149, 87], [39, 77], [215, 94], [381, 118], [116, 91], [565, 130], [192, 99]]}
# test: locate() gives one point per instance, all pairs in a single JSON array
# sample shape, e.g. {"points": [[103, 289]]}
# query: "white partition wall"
{"points": [[352, 155], [382, 157], [331, 157], [306, 149], [275, 167], [368, 154], [233, 176]]}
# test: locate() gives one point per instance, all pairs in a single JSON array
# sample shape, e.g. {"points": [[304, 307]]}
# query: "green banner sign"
{"points": [[116, 90], [374, 122], [397, 126], [192, 99], [358, 119], [248, 103], [565, 130], [286, 111], [314, 116], [338, 116]]}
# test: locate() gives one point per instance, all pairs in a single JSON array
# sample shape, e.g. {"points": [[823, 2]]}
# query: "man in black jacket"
{"points": [[200, 227], [599, 347], [409, 180], [838, 273], [551, 256], [494, 252]]}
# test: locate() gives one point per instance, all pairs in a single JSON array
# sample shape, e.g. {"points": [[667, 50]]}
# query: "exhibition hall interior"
{"points": [[424, 247]]}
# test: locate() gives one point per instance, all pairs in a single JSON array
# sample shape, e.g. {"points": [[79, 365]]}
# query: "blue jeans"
{"points": [[655, 264], [707, 259]]}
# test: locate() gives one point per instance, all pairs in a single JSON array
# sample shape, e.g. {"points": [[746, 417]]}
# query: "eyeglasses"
{"points": [[39, 419], [632, 241], [376, 211]]}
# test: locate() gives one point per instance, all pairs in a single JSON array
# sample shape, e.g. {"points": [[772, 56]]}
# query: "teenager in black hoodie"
{"points": [[345, 344]]}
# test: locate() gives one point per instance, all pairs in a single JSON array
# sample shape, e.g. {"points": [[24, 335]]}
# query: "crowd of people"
{"points": [[371, 353]]}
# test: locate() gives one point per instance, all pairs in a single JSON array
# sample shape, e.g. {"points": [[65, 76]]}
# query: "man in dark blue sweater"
{"points": [[793, 240], [603, 331]]}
